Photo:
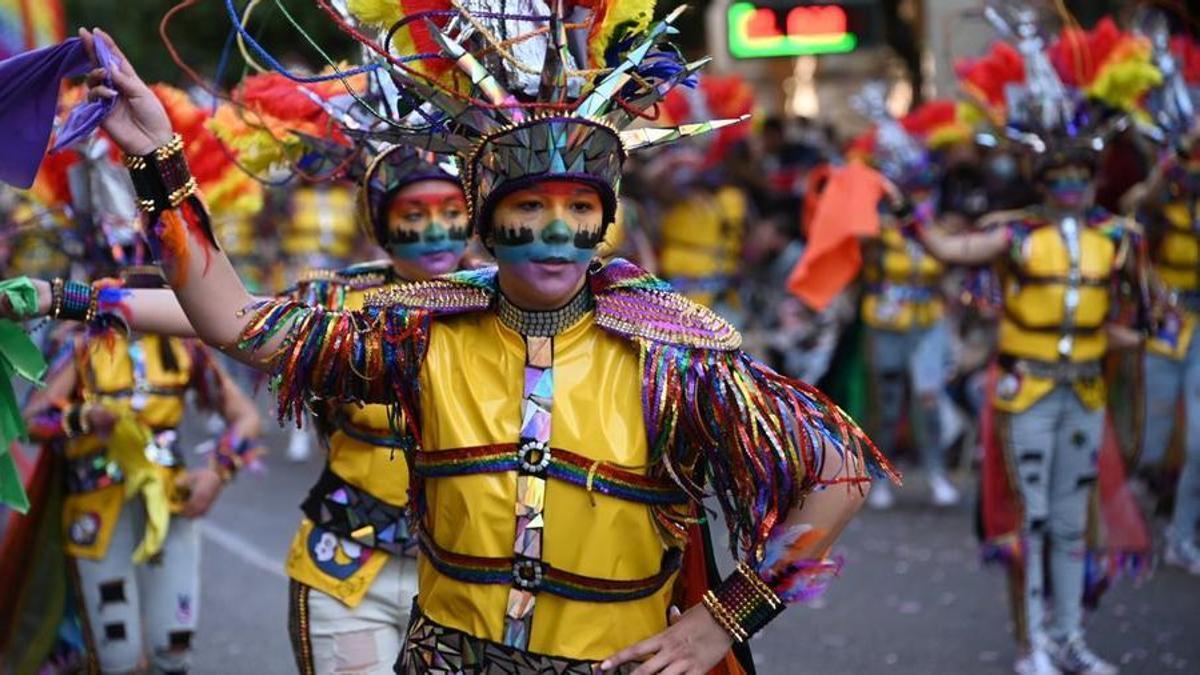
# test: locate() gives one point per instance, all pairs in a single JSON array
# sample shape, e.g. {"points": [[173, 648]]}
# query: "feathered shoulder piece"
{"points": [[630, 302]]}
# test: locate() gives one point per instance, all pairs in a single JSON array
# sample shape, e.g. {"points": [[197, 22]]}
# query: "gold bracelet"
{"points": [[56, 296], [723, 617], [759, 585]]}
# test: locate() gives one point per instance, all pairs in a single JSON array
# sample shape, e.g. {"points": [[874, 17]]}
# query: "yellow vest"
{"points": [[702, 242], [322, 222], [1177, 266], [471, 395], [127, 376], [1057, 289], [902, 280], [323, 561]]}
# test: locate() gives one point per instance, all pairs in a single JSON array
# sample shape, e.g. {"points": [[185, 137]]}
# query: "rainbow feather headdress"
{"points": [[1061, 97], [521, 91], [1170, 109]]}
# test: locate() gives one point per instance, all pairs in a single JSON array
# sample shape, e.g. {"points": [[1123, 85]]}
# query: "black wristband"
{"points": [[743, 603], [161, 178]]}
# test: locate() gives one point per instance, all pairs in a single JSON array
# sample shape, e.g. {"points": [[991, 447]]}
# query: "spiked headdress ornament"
{"points": [[555, 97]]}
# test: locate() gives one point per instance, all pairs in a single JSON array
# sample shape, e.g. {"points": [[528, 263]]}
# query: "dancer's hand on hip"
{"points": [[137, 123], [692, 645]]}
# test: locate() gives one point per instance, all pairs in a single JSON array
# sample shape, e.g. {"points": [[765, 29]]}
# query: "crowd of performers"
{"points": [[524, 405]]}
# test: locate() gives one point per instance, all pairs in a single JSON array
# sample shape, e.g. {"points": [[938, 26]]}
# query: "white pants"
{"points": [[156, 604], [330, 638]]}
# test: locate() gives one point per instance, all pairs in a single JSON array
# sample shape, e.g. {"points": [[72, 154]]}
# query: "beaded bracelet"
{"points": [[72, 301], [743, 604], [161, 178]]}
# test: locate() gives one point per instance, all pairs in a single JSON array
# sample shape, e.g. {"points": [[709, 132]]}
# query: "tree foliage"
{"points": [[201, 31]]}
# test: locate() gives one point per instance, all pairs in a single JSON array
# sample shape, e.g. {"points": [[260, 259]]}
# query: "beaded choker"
{"points": [[544, 324]]}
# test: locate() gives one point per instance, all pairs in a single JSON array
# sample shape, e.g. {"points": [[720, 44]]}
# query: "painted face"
{"points": [[427, 228], [1069, 186], [545, 235]]}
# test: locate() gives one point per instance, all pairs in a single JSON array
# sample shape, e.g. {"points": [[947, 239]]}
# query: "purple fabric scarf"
{"points": [[29, 88]]}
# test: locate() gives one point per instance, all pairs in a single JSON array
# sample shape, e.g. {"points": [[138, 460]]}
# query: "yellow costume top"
{"points": [[321, 223], [147, 377], [701, 243], [355, 514], [1176, 261], [576, 423], [901, 284], [1058, 288]]}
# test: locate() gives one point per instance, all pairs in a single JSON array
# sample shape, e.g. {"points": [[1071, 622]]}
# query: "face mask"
{"points": [[1068, 191], [1003, 167]]}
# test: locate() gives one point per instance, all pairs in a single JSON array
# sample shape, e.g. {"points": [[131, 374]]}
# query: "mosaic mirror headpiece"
{"points": [[522, 91], [1059, 96], [1172, 107], [897, 154]]}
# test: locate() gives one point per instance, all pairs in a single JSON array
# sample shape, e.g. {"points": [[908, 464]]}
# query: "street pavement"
{"points": [[913, 597]]}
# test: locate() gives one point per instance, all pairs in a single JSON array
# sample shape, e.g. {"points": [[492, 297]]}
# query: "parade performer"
{"points": [[590, 401], [351, 589], [1065, 268], [1167, 202], [907, 338], [704, 219], [115, 478]]}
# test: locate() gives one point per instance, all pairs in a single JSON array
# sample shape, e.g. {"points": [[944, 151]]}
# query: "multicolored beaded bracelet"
{"points": [[743, 604], [72, 301]]}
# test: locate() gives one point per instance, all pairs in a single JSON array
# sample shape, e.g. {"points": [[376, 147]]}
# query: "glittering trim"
{"points": [[543, 324], [563, 465], [500, 571]]}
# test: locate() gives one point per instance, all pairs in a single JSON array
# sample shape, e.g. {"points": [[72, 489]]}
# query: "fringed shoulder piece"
{"points": [[327, 288], [633, 303], [370, 356], [457, 293]]}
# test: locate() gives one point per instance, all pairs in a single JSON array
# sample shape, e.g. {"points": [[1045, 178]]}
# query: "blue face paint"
{"points": [[433, 240], [555, 243], [1068, 190]]}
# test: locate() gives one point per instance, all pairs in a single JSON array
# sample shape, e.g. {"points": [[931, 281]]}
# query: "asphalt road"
{"points": [[913, 597]]}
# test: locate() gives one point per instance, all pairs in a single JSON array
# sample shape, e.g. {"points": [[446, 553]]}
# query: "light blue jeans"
{"points": [[1052, 449], [1166, 381], [917, 361]]}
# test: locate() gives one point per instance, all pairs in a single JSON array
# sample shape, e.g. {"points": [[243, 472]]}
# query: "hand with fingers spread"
{"points": [[137, 123], [692, 645]]}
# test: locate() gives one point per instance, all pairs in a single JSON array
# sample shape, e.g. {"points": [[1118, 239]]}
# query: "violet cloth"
{"points": [[29, 88]]}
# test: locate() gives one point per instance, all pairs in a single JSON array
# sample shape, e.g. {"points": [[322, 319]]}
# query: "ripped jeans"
{"points": [[915, 362], [1053, 450], [157, 604], [1166, 381], [331, 638]]}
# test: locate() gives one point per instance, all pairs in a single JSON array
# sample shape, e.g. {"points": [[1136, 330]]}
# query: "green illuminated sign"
{"points": [[754, 31]]}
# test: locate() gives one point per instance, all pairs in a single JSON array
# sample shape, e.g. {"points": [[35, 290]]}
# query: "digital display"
{"points": [[773, 29]]}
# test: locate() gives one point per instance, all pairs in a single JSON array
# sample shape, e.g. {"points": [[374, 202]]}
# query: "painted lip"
{"points": [[439, 259]]}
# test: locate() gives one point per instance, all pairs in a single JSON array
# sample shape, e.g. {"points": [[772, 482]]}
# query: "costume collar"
{"points": [[629, 302], [544, 324]]}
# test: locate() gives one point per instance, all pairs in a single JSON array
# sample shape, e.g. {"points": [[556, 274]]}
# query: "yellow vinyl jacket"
{"points": [[355, 516], [651, 399], [147, 377], [1062, 284], [901, 284], [1175, 253]]}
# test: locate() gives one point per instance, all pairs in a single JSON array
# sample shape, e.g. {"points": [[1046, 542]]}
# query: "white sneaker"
{"points": [[881, 497], [1035, 662], [1074, 657], [942, 491], [1183, 553], [299, 446]]}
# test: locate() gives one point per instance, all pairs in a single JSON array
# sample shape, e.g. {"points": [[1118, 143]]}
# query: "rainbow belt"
{"points": [[561, 465], [535, 575]]}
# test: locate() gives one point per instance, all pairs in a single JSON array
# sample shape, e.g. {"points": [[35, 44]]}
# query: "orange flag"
{"points": [[848, 209]]}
